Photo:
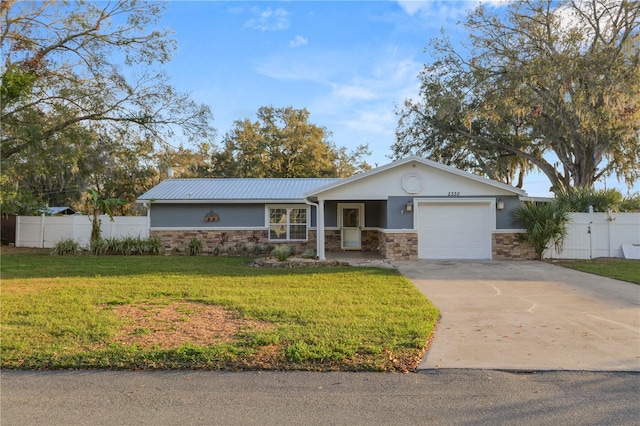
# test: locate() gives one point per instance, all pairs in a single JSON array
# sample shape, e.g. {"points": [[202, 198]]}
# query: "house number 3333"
{"points": [[454, 194]]}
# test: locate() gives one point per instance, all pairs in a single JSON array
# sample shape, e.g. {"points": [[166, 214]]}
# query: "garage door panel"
{"points": [[454, 231]]}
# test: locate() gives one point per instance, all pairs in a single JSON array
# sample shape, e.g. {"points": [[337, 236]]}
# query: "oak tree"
{"points": [[82, 82], [548, 84], [283, 144]]}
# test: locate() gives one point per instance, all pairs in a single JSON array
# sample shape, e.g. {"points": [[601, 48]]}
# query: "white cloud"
{"points": [[444, 10], [268, 20], [413, 6], [298, 41], [379, 119]]}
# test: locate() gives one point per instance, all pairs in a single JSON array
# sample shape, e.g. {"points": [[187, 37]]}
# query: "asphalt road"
{"points": [[436, 397]]}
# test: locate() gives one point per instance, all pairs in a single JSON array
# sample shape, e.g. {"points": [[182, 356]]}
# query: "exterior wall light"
{"points": [[500, 204], [409, 206]]}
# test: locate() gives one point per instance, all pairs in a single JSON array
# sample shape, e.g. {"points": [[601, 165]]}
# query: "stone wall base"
{"points": [[230, 242], [511, 246], [395, 246], [399, 246]]}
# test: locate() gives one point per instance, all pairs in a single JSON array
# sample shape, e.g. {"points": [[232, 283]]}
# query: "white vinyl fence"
{"points": [[592, 235], [46, 231]]}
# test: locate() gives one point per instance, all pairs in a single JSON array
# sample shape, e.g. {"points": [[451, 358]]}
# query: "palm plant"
{"points": [[631, 203], [579, 199], [545, 223]]}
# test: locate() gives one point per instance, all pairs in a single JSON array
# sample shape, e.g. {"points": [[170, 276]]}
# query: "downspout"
{"points": [[319, 227]]}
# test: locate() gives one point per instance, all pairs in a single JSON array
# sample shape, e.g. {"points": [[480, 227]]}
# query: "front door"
{"points": [[351, 221]]}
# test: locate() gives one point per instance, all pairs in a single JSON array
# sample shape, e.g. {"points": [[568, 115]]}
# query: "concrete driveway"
{"points": [[528, 316]]}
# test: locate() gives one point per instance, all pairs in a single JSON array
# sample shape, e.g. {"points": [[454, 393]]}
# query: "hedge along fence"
{"points": [[592, 235], [46, 231]]}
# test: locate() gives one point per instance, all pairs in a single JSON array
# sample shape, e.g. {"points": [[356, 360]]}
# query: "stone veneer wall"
{"points": [[371, 240], [331, 240], [511, 246], [212, 238], [399, 246]]}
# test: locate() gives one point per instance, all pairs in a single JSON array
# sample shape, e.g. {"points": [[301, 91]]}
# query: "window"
{"points": [[286, 223]]}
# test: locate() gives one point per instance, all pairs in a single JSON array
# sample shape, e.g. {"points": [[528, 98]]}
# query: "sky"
{"points": [[351, 64]]}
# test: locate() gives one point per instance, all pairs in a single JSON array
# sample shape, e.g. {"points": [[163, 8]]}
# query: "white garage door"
{"points": [[460, 230]]}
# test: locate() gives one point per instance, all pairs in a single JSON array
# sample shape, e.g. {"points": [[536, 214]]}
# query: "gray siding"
{"points": [[504, 218], [331, 214], [192, 215], [397, 215], [389, 214], [375, 214]]}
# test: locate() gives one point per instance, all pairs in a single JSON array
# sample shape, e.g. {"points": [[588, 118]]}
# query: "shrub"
{"points": [[242, 249], [153, 245], [67, 246], [126, 246], [545, 223], [282, 252], [308, 254], [113, 246], [194, 247], [98, 246], [631, 203], [131, 246]]}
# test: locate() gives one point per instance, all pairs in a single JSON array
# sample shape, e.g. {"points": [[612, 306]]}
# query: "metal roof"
{"points": [[234, 189], [53, 211]]}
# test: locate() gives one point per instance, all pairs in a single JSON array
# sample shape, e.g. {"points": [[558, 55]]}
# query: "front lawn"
{"points": [[619, 269], [178, 312]]}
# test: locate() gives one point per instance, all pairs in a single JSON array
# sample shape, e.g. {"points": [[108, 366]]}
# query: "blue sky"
{"points": [[350, 63]]}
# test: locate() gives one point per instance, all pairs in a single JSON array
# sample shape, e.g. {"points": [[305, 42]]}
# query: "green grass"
{"points": [[59, 312], [619, 269]]}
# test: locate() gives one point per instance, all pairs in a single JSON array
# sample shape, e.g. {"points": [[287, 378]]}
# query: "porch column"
{"points": [[320, 231]]}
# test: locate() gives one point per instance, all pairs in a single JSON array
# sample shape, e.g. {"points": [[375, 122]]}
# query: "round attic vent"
{"points": [[412, 183]]}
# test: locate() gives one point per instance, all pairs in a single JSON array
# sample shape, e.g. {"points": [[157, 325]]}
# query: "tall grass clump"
{"points": [[67, 246], [283, 252], [153, 245], [194, 246], [309, 254], [127, 246]]}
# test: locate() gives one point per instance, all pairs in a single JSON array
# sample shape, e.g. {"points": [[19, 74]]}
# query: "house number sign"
{"points": [[454, 194]]}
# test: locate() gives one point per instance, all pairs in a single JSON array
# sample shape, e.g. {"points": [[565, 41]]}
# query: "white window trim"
{"points": [[267, 216]]}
